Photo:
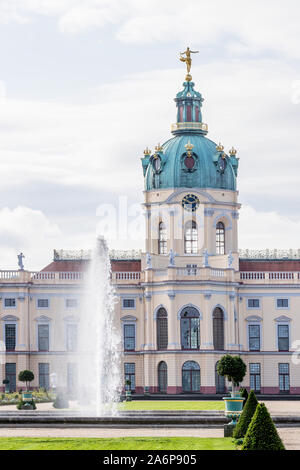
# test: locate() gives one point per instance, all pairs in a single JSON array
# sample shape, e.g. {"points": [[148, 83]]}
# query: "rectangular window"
{"points": [[283, 338], [253, 303], [282, 303], [72, 379], [129, 369], [162, 239], [10, 374], [284, 378], [129, 337], [190, 333], [254, 337], [10, 337], [44, 375], [71, 303], [43, 303], [191, 269], [255, 380], [71, 337], [128, 303], [43, 337], [9, 302]]}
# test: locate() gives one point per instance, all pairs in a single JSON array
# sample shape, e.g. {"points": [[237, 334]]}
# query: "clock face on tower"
{"points": [[190, 202]]}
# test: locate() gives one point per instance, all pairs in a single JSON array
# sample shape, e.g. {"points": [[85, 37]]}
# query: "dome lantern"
{"points": [[189, 116]]}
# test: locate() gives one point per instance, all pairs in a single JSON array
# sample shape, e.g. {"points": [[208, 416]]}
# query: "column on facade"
{"points": [[230, 323], [207, 335], [171, 230], [148, 230]]}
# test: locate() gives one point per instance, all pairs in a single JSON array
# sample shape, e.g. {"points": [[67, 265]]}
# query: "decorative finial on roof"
{"points": [[232, 152], [158, 148], [188, 60], [220, 148], [189, 146], [147, 151]]}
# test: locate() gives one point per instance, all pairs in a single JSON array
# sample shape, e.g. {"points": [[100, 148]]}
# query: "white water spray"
{"points": [[99, 364]]}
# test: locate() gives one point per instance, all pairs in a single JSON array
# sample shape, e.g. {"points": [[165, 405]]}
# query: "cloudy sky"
{"points": [[85, 85]]}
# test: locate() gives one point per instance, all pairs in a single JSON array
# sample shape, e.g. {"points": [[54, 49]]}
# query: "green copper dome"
{"points": [[189, 159]]}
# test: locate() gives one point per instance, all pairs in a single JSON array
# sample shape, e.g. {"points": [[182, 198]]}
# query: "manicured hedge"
{"points": [[246, 416], [262, 433]]}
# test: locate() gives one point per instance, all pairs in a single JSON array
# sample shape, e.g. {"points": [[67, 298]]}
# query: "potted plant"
{"points": [[26, 376], [234, 369], [128, 390]]}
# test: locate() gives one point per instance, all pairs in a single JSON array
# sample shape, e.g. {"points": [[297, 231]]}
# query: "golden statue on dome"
{"points": [[188, 60]]}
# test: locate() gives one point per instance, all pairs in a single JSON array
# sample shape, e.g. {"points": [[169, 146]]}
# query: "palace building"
{"points": [[189, 298]]}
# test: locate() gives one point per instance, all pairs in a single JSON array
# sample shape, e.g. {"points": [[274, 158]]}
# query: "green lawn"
{"points": [[124, 443], [172, 405]]}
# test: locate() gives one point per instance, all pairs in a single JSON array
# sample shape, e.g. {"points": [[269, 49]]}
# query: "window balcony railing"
{"points": [[266, 277], [199, 126], [126, 277]]}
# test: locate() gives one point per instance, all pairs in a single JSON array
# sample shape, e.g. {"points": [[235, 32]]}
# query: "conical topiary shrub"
{"points": [[246, 416], [244, 394], [262, 433]]}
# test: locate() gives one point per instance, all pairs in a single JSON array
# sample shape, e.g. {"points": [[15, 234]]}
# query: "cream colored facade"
{"points": [[175, 282]]}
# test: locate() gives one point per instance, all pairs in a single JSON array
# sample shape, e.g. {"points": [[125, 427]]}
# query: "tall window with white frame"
{"points": [[11, 376], [220, 238], [162, 239], [10, 336], [129, 337], [43, 337], [283, 337], [129, 371], [162, 329], [190, 328], [254, 337], [218, 329], [44, 375], [255, 381], [284, 377], [191, 238]]}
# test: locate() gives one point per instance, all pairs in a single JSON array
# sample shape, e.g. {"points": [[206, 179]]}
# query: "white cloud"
{"points": [[27, 230], [254, 27], [260, 230], [99, 145]]}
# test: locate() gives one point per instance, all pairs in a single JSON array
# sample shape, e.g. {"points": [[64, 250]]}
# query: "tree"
{"points": [[232, 367], [246, 416], [262, 433], [26, 376]]}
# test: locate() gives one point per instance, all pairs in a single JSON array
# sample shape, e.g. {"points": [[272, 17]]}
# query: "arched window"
{"points": [[220, 239], [220, 381], [218, 329], [162, 329], [191, 238], [162, 377], [190, 328], [191, 377], [162, 239]]}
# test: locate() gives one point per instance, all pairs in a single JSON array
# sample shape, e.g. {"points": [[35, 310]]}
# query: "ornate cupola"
{"points": [[189, 116], [189, 159]]}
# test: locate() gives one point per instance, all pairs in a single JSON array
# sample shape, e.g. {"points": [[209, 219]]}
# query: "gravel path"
{"points": [[275, 407]]}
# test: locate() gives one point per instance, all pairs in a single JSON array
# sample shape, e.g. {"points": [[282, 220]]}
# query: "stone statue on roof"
{"points": [[20, 261]]}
